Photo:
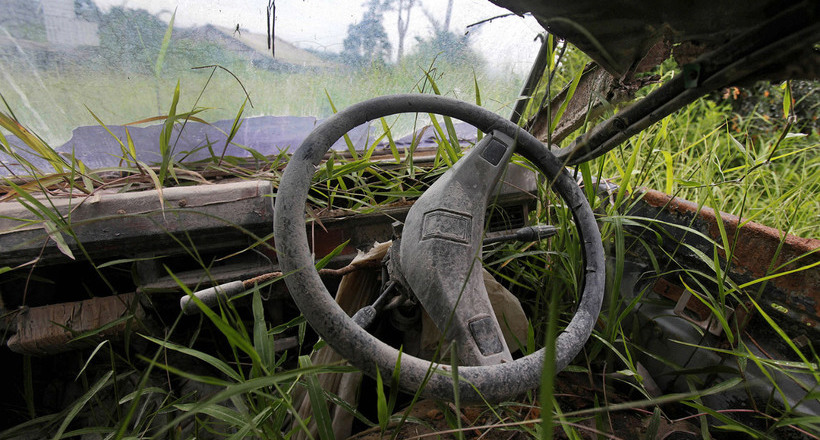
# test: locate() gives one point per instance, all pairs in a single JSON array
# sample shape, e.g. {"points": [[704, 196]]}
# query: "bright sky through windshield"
{"points": [[506, 43], [71, 63]]}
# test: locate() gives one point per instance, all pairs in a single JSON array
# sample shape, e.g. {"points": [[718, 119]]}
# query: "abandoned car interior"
{"points": [[407, 219]]}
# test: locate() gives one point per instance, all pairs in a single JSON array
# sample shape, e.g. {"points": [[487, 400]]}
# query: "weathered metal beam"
{"points": [[115, 224], [617, 35], [597, 91], [760, 51]]}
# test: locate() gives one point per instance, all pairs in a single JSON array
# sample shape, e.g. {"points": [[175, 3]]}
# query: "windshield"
{"points": [[71, 63]]}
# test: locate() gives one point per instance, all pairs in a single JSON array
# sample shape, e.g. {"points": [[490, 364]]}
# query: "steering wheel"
{"points": [[439, 256]]}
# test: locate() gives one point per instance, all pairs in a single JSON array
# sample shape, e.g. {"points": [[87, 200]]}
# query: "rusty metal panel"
{"points": [[758, 251], [675, 332]]}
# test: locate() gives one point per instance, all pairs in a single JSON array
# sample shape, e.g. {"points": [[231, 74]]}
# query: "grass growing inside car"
{"points": [[245, 389]]}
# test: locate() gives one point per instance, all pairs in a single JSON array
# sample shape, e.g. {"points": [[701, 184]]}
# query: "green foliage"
{"points": [[366, 42], [130, 39], [137, 42], [720, 160], [447, 48], [758, 109], [697, 154]]}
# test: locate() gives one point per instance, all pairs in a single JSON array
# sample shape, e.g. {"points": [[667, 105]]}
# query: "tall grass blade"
{"points": [[479, 135], [55, 234], [90, 357], [570, 93], [237, 123], [218, 412], [670, 172], [78, 406], [326, 259], [456, 398], [262, 341], [350, 147], [786, 339], [220, 365], [394, 150], [451, 153], [232, 335], [321, 414], [163, 49], [242, 388], [448, 121], [166, 150], [654, 424], [381, 403], [547, 393], [787, 98], [33, 141], [394, 384]]}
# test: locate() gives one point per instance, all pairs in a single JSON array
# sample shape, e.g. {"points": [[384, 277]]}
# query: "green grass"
{"points": [[696, 154], [693, 154]]}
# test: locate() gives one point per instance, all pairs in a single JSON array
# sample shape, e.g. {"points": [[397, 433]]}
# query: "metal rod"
{"points": [[367, 314], [526, 234]]}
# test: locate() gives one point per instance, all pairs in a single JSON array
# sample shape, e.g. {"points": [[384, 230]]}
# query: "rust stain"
{"points": [[674, 292], [324, 242]]}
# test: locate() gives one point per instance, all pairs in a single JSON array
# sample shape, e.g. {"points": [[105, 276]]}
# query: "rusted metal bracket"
{"points": [[690, 308]]}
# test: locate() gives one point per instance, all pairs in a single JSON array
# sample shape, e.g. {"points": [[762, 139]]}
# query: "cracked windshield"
{"points": [[75, 71]]}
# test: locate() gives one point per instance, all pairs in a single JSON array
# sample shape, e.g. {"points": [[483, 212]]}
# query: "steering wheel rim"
{"points": [[491, 383]]}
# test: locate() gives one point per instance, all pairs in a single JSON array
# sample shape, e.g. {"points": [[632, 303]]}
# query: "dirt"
{"points": [[431, 419]]}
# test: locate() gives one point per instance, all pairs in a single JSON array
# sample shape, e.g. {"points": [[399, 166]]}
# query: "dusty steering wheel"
{"points": [[450, 222]]}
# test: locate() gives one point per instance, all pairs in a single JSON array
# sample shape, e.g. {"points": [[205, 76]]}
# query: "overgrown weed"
{"points": [[692, 154]]}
